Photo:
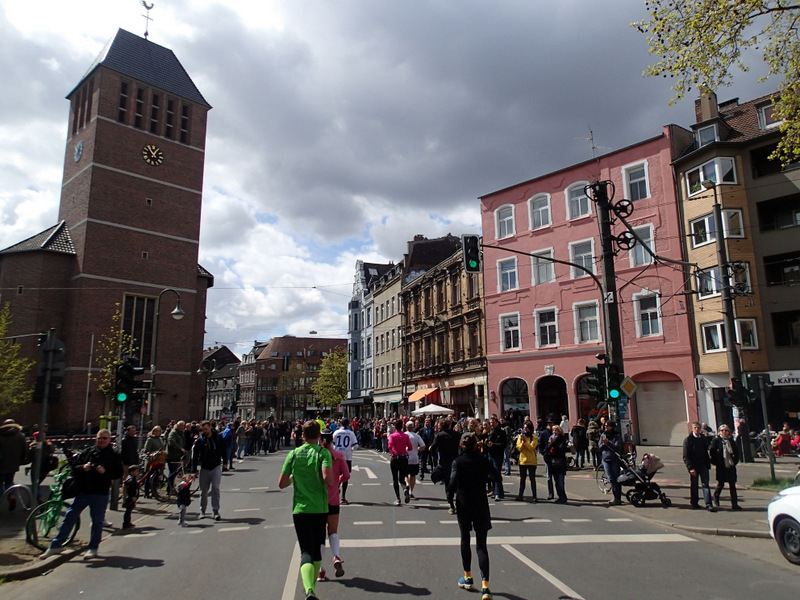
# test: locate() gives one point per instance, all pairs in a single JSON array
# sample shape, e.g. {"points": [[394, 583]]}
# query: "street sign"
{"points": [[55, 346], [628, 386]]}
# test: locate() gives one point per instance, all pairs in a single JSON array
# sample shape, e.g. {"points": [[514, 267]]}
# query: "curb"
{"points": [[747, 533], [38, 567]]}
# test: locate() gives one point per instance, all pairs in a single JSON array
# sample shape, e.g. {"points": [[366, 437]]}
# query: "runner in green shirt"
{"points": [[309, 468]]}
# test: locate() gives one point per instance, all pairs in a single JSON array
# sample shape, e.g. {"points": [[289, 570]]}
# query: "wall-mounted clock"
{"points": [[152, 155], [78, 151]]}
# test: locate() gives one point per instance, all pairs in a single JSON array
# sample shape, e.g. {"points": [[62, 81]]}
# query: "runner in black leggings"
{"points": [[399, 446]]}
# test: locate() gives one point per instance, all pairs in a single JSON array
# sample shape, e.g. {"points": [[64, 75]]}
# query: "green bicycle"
{"points": [[42, 524]]}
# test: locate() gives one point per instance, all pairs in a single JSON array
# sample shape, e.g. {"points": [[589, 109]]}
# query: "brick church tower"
{"points": [[128, 234]]}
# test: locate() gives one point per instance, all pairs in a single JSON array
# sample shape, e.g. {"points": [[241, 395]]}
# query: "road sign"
{"points": [[628, 386]]}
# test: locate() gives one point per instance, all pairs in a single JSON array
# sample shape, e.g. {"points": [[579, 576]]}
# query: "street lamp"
{"points": [[177, 314]]}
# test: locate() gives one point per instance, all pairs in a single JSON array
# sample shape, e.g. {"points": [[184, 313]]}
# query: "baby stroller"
{"points": [[641, 479]]}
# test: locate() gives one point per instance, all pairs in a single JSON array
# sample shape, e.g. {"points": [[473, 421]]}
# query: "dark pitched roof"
{"points": [[374, 270], [148, 62], [292, 345], [55, 239], [424, 254]]}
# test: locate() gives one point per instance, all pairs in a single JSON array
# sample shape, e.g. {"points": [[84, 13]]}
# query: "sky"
{"points": [[340, 130]]}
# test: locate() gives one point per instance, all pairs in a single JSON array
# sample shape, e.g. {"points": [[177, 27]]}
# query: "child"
{"points": [[184, 498], [130, 495]]}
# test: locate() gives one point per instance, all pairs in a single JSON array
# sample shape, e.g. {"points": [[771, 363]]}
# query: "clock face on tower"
{"points": [[78, 151], [152, 155]]}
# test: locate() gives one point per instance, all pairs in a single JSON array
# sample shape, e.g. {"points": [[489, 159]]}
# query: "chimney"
{"points": [[708, 108], [419, 237]]}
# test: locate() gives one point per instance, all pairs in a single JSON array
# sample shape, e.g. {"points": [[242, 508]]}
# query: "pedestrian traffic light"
{"points": [[614, 381], [471, 247], [123, 382], [596, 382]]}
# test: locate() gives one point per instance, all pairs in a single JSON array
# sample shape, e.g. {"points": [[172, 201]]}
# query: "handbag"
{"points": [[437, 474], [70, 487], [558, 462]]}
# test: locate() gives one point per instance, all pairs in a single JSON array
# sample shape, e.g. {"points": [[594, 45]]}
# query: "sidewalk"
{"points": [[18, 560]]}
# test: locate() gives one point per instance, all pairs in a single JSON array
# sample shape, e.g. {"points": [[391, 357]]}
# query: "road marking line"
{"points": [[259, 488], [523, 540], [246, 510], [235, 490], [187, 532], [576, 520], [143, 535], [241, 528], [290, 585], [448, 522], [367, 522], [501, 521], [287, 526], [620, 520], [563, 587], [365, 484], [410, 522], [535, 520]]}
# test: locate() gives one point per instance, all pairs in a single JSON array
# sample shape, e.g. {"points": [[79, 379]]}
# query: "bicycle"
{"points": [[44, 519], [181, 472], [154, 479], [20, 493], [603, 483]]}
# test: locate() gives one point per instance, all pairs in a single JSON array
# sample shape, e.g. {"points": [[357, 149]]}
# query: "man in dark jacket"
{"points": [[445, 446], [207, 454], [94, 468], [698, 462], [610, 446]]}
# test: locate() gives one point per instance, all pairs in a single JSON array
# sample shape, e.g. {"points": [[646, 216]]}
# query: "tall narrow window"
{"points": [[169, 123], [185, 123], [505, 222], [578, 202], [139, 111], [542, 268], [636, 181], [539, 208], [509, 329], [649, 319], [587, 323], [546, 327], [639, 255], [582, 255], [508, 274], [155, 107]]}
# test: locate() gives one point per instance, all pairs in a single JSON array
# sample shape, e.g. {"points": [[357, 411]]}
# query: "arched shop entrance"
{"points": [[551, 398], [514, 394], [589, 408]]}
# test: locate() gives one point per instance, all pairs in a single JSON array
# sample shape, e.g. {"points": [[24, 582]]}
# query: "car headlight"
{"points": [[774, 498]]}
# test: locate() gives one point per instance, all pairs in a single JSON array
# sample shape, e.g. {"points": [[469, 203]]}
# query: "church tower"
{"points": [[130, 206]]}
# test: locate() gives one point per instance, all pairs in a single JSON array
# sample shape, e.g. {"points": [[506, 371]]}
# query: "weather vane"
{"points": [[147, 18]]}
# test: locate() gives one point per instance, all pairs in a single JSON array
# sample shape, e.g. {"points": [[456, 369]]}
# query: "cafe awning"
{"points": [[420, 394]]}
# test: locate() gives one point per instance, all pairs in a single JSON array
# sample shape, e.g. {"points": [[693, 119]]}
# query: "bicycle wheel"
{"points": [[42, 524], [158, 485], [603, 484]]}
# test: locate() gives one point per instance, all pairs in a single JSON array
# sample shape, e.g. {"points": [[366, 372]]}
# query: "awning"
{"points": [[420, 394]]}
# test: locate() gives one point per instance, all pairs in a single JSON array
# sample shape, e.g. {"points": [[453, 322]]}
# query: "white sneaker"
{"points": [[51, 552], [90, 553]]}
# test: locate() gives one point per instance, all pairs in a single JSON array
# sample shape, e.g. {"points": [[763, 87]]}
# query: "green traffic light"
{"points": [[613, 394], [122, 397], [473, 264]]}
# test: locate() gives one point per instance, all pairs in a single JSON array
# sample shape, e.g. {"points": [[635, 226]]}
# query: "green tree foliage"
{"points": [[110, 351], [699, 43], [330, 387], [13, 368]]}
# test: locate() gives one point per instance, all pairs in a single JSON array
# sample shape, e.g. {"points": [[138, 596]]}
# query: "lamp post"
{"points": [[207, 366], [177, 314], [729, 318]]}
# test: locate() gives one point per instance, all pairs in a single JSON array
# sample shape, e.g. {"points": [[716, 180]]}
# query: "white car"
{"points": [[783, 515]]}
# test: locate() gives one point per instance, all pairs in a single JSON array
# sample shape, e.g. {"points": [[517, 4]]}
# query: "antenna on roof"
{"points": [[147, 18], [589, 139]]}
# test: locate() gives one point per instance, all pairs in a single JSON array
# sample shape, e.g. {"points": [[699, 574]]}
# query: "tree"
{"points": [[701, 41], [112, 347], [13, 367], [331, 385]]}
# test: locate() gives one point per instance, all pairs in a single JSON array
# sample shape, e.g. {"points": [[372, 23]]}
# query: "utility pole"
{"points": [[613, 332], [736, 392]]}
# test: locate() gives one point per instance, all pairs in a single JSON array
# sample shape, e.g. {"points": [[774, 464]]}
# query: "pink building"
{"points": [[544, 321]]}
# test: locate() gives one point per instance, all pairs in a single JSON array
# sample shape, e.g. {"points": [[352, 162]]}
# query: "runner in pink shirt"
{"points": [[341, 473], [399, 447]]}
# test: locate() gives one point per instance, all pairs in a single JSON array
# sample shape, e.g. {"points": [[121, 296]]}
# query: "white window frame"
{"points": [[765, 121], [535, 264], [647, 258], [537, 320], [576, 312], [580, 185], [711, 227], [504, 223], [699, 135], [716, 280], [545, 211], [714, 170], [627, 170], [719, 326], [577, 273], [504, 328], [500, 274], [637, 298]]}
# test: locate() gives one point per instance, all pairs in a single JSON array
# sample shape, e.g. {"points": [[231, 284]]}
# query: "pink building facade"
{"points": [[544, 320]]}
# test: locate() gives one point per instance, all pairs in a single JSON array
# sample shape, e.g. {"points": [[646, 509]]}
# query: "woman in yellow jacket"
{"points": [[527, 443]]}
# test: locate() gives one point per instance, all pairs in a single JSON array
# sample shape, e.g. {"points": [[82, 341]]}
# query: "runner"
{"points": [[413, 458], [399, 445], [345, 441], [309, 468], [471, 472], [341, 473]]}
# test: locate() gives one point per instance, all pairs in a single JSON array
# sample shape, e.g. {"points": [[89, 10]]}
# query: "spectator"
{"points": [[698, 462], [13, 453], [724, 453]]}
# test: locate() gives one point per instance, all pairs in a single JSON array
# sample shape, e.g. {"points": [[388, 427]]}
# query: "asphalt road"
{"points": [[542, 551]]}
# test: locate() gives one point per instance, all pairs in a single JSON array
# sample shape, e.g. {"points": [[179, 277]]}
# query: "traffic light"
{"points": [[123, 382], [596, 382], [471, 247], [614, 381]]}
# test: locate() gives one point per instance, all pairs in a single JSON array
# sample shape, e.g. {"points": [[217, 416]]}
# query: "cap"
{"points": [[326, 433]]}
